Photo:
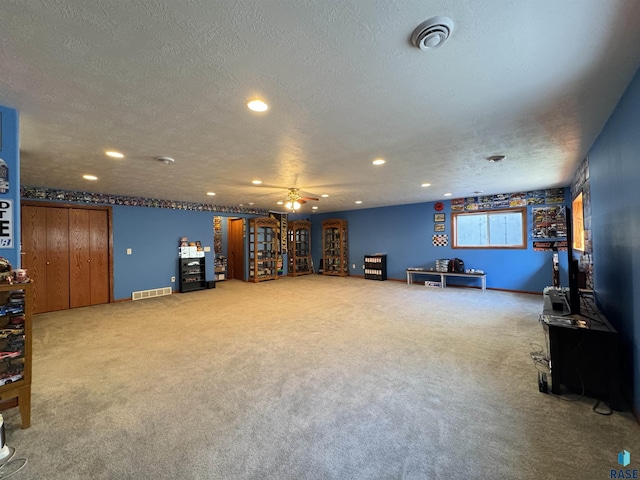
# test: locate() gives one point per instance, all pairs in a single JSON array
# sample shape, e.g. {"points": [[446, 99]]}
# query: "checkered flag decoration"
{"points": [[440, 240]]}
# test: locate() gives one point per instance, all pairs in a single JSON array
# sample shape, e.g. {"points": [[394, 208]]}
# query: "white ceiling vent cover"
{"points": [[432, 33]]}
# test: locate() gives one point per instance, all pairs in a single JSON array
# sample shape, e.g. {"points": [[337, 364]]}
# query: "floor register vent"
{"points": [[154, 292]]}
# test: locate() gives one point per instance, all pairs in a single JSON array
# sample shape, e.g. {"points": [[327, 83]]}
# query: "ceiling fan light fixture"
{"points": [[292, 205]]}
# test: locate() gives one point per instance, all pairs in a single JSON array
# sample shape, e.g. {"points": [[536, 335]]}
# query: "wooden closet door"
{"points": [[80, 258], [45, 245], [57, 283], [99, 256], [34, 253]]}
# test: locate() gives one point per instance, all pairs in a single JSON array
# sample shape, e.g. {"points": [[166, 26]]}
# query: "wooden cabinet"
{"points": [[67, 252], [375, 267], [263, 249], [299, 248], [335, 252], [16, 306], [192, 274]]}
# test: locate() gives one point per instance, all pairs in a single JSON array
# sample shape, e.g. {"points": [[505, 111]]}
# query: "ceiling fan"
{"points": [[295, 200]]}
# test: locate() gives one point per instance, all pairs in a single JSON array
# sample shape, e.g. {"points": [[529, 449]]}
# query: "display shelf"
{"points": [[335, 254], [263, 249], [375, 266], [192, 274], [16, 304], [299, 248], [220, 268]]}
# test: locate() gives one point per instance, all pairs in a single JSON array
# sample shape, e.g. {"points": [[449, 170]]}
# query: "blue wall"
{"points": [[404, 233], [153, 235], [9, 152], [614, 165]]}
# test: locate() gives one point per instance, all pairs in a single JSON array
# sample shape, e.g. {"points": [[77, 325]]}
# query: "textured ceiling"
{"points": [[532, 80]]}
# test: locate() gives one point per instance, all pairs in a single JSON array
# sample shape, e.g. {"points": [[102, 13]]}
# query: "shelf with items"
{"points": [[220, 268], [192, 274], [16, 303], [263, 249], [335, 251], [299, 248], [375, 266]]}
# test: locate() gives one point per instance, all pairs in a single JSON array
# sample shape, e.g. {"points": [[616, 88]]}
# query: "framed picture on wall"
{"points": [[438, 217], [438, 227]]}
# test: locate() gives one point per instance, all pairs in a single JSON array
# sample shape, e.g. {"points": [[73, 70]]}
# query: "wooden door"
{"points": [[45, 248], [67, 254], [235, 244], [99, 256], [57, 259], [80, 258]]}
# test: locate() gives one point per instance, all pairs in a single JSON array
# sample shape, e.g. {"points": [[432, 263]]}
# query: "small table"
{"points": [[443, 276]]}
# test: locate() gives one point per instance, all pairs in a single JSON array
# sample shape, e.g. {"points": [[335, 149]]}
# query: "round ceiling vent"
{"points": [[165, 160], [432, 33]]}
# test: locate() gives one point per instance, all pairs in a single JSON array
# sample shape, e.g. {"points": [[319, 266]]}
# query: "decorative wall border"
{"points": [[43, 193], [550, 196]]}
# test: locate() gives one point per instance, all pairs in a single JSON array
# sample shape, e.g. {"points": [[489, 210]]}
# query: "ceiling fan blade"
{"points": [[310, 198]]}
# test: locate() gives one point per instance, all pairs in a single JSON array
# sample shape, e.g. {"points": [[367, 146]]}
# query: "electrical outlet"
{"points": [[173, 279], [353, 266], [363, 267]]}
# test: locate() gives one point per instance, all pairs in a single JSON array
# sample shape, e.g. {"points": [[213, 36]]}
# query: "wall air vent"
{"points": [[154, 292]]}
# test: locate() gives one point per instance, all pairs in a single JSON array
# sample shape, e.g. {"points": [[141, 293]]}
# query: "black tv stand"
{"points": [[582, 351]]}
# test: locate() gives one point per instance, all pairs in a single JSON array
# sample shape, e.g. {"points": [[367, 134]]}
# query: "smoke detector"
{"points": [[165, 160], [432, 33]]}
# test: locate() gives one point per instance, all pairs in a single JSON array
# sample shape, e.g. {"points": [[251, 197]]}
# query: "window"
{"points": [[490, 229], [578, 223]]}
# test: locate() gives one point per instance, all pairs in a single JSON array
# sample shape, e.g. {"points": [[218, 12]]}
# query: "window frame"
{"points": [[454, 228]]}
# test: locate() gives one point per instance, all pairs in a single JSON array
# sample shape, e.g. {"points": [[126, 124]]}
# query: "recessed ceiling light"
{"points": [[90, 177], [314, 208], [280, 202], [379, 161], [324, 195], [358, 202], [251, 203], [257, 106], [448, 194], [425, 185], [256, 182], [114, 154], [211, 194]]}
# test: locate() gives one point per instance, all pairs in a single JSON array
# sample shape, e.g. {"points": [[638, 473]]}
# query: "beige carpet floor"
{"points": [[307, 378]]}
